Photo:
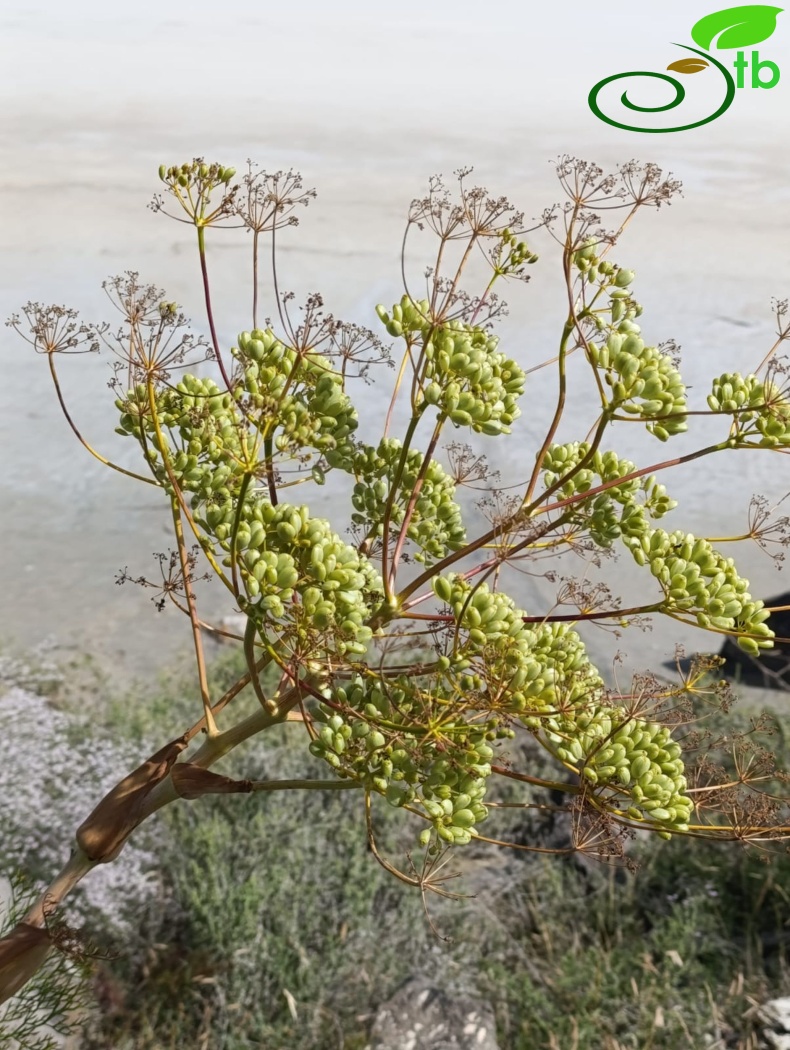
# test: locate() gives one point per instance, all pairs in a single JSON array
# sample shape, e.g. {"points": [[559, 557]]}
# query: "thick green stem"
{"points": [[75, 869], [211, 727], [306, 785]]}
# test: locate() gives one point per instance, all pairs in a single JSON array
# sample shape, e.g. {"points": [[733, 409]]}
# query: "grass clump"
{"points": [[271, 926]]}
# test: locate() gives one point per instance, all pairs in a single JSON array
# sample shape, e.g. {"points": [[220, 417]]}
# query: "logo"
{"points": [[734, 29]]}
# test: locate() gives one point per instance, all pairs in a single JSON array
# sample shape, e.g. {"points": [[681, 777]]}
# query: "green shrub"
{"points": [[391, 649]]}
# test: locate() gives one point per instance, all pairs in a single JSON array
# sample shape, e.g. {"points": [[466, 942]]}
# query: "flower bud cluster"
{"points": [[282, 551], [698, 579], [544, 676], [523, 670], [732, 392], [436, 526], [384, 735], [756, 401], [644, 382], [298, 395], [465, 376], [515, 255], [410, 319], [598, 270], [622, 510], [638, 758], [279, 552], [186, 175], [200, 424]]}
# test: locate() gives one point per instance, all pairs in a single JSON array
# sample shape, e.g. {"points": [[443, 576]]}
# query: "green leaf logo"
{"points": [[736, 26]]}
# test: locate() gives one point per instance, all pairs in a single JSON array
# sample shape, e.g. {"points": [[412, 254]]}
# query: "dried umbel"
{"points": [[393, 647]]}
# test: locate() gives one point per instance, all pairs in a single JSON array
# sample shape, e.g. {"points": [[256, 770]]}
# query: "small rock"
{"points": [[420, 1016], [776, 1017]]}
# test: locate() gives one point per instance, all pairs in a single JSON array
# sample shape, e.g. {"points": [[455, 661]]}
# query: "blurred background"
{"points": [[264, 921], [367, 101]]}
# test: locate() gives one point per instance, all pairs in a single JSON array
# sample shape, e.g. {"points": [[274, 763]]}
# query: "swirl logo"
{"points": [[732, 29]]}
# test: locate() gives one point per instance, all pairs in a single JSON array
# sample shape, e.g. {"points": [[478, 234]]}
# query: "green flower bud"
{"points": [[623, 278]]}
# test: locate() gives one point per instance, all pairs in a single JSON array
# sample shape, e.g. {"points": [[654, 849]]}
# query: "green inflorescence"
{"points": [[297, 397], [464, 375], [644, 382], [281, 552], [413, 743], [761, 409], [543, 676], [622, 510], [435, 526], [643, 379], [427, 739], [638, 760], [204, 452], [517, 669], [697, 579]]}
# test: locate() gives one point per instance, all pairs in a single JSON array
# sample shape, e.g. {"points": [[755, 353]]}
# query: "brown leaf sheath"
{"points": [[102, 835]]}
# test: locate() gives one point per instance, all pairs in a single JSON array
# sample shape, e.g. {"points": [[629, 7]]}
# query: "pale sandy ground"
{"points": [[367, 103]]}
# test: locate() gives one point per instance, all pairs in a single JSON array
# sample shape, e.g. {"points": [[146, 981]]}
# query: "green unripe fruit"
{"points": [[624, 278], [749, 645], [463, 818], [660, 814]]}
